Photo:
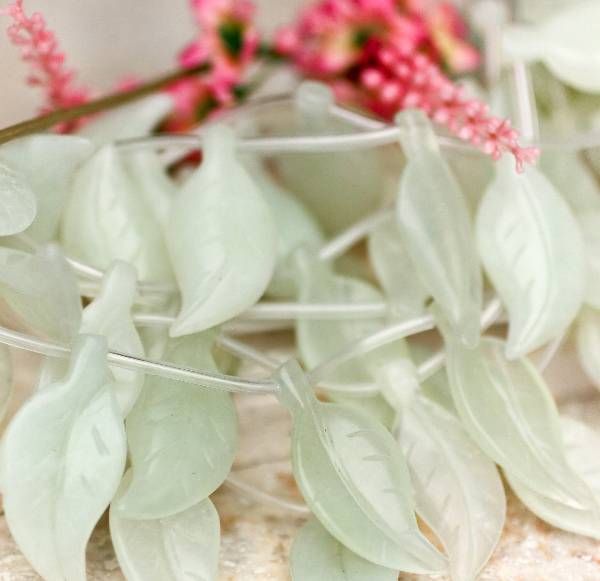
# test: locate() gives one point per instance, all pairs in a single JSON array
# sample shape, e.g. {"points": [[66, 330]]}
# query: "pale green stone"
{"points": [[338, 187], [295, 226], [458, 491], [354, 479], [588, 344], [106, 218], [182, 438], [42, 291], [317, 340], [222, 238], [129, 121], [566, 41], [48, 163], [62, 459], [18, 205], [589, 222], [532, 249], [317, 556], [320, 339], [572, 177], [109, 314], [436, 227], [509, 412], [182, 547], [6, 380], [154, 185], [396, 272], [582, 444]]}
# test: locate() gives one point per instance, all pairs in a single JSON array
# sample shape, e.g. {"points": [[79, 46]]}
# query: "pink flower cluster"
{"points": [[40, 49], [384, 55], [227, 41], [392, 79]]}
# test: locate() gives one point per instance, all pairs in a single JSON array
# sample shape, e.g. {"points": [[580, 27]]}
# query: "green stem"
{"points": [[48, 121]]}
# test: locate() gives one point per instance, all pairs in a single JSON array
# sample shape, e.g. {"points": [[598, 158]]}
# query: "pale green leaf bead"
{"points": [[581, 445], [317, 556], [106, 218], [339, 187], [572, 178], [6, 380], [41, 290], [221, 237], [48, 163], [436, 227], [354, 479], [533, 252], [589, 222], [182, 439], [458, 491], [295, 226], [109, 314], [18, 205], [62, 459], [566, 41], [588, 344], [129, 121], [154, 185], [182, 547], [143, 167], [317, 339], [396, 272], [509, 412]]}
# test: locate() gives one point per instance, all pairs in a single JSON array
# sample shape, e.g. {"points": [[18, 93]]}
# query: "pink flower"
{"points": [[227, 40], [392, 80], [447, 34], [39, 48], [385, 55], [329, 36]]}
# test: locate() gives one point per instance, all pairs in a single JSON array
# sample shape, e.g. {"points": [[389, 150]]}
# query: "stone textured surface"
{"points": [[256, 535]]}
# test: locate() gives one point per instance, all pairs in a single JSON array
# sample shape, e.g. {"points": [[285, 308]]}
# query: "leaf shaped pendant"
{"points": [[436, 227], [41, 291], [182, 439], [6, 380], [110, 315], [533, 252], [334, 448], [509, 412], [128, 121], [588, 344], [458, 491], [48, 162], [182, 547], [566, 42], [18, 205], [296, 227], [221, 237], [581, 444], [318, 340], [396, 272], [316, 556], [106, 218], [62, 459]]}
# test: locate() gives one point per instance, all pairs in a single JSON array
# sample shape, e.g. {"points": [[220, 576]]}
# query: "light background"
{"points": [[106, 40]]}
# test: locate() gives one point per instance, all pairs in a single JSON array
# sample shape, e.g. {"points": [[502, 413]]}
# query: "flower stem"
{"points": [[48, 121]]}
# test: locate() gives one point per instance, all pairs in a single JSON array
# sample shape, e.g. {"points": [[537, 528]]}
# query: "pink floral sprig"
{"points": [[386, 55], [229, 41], [40, 49]]}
